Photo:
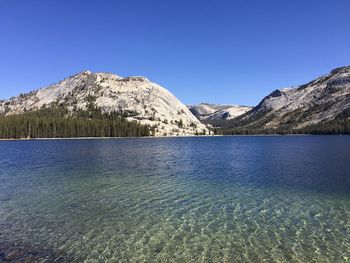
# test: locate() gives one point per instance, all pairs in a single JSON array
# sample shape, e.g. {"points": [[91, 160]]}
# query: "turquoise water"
{"points": [[214, 199]]}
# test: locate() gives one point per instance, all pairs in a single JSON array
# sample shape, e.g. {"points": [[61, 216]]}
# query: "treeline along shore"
{"points": [[57, 122]]}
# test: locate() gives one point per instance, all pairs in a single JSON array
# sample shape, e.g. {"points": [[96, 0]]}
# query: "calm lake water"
{"points": [[214, 199]]}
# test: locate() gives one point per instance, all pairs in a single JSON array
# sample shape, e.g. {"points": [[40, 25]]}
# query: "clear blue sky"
{"points": [[211, 51]]}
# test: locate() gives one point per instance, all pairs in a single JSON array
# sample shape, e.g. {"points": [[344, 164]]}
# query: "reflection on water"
{"points": [[221, 199]]}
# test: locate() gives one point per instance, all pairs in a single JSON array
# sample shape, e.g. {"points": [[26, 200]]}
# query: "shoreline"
{"points": [[180, 136]]}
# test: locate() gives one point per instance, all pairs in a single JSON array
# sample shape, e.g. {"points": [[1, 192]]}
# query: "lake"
{"points": [[199, 199]]}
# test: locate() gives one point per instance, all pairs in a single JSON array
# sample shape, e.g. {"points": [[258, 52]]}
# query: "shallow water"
{"points": [[205, 199]]}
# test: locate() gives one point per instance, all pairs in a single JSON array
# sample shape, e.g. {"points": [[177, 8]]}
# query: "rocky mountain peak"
{"points": [[142, 100]]}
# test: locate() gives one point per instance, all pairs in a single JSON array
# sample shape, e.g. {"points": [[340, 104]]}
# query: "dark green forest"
{"points": [[238, 126], [57, 122], [338, 126]]}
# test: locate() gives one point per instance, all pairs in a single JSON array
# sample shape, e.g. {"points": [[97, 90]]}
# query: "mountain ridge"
{"points": [[324, 99], [209, 111]]}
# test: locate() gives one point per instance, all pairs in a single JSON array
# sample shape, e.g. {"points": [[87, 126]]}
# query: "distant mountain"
{"points": [[322, 105], [136, 97], [210, 112]]}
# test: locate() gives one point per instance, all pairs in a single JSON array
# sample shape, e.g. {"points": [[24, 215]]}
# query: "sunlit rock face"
{"points": [[142, 100], [319, 101]]}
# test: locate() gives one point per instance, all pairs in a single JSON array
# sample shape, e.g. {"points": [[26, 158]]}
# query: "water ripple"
{"points": [[234, 199]]}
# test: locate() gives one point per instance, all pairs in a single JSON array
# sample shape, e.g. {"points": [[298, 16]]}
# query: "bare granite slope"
{"points": [[321, 100], [143, 100]]}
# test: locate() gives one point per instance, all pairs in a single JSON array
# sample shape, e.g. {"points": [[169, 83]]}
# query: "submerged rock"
{"points": [[28, 253]]}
